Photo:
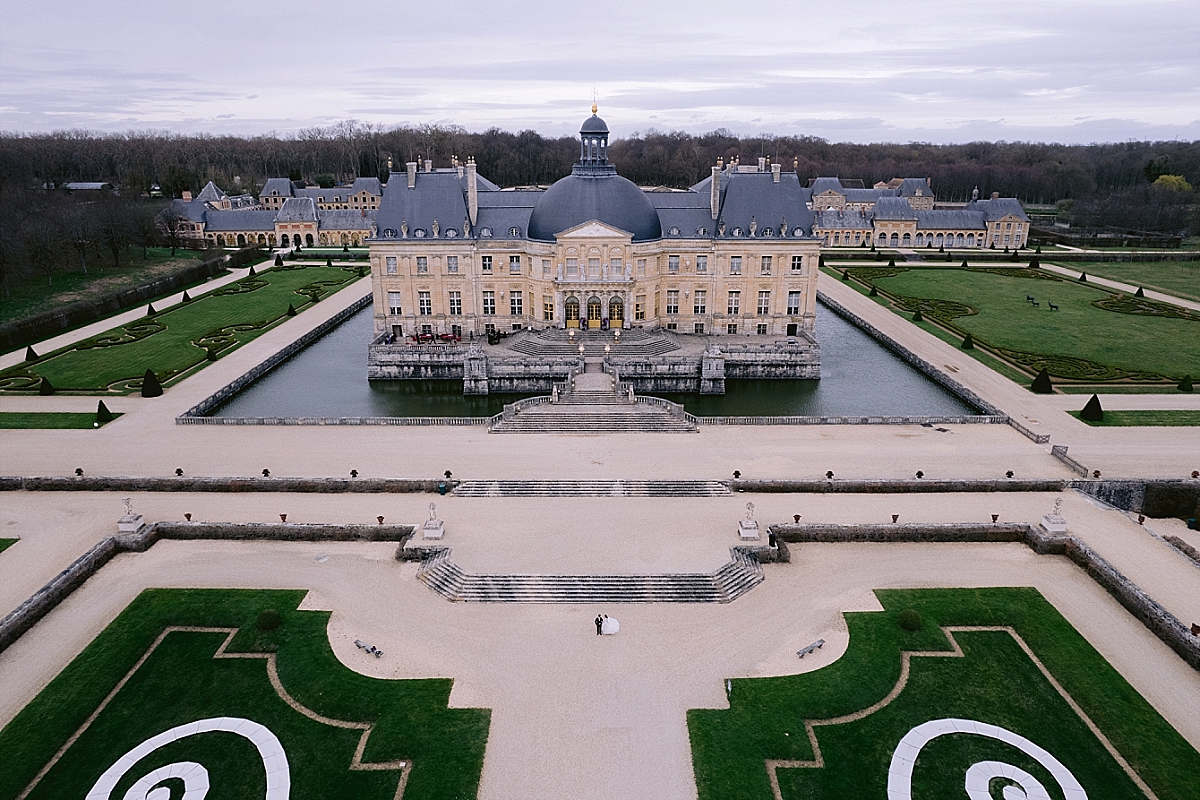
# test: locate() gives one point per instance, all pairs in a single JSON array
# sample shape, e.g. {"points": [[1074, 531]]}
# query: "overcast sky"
{"points": [[845, 70]]}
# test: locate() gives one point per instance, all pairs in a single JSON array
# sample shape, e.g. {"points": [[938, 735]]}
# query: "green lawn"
{"points": [[176, 341], [181, 682], [995, 683], [7, 543], [35, 294], [48, 420], [1125, 419], [1095, 336], [1180, 278]]}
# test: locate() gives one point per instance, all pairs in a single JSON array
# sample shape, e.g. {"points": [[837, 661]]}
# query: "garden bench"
{"points": [[806, 650]]}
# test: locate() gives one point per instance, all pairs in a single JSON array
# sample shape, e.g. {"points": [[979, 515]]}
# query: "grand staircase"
{"points": [[591, 404], [731, 581], [624, 488]]}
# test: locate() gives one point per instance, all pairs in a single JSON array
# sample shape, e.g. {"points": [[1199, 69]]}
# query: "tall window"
{"points": [[793, 303], [766, 265], [593, 268], [639, 307], [701, 264], [452, 264], [422, 264], [797, 263], [514, 265], [672, 263], [641, 266], [394, 303], [672, 301], [735, 265], [515, 304], [572, 266], [547, 305], [615, 270], [485, 263], [764, 303], [735, 304], [545, 268], [489, 303], [390, 261], [700, 302], [425, 303], [456, 304]]}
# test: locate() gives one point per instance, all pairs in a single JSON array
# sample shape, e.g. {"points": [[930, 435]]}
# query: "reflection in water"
{"points": [[858, 377]]}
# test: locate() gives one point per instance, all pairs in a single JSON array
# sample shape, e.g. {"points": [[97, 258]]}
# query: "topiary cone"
{"points": [[916, 317], [210, 353], [279, 261], [845, 275], [874, 291], [291, 312], [103, 415], [963, 265], [1083, 277], [150, 312], [45, 388], [251, 273], [1185, 385], [30, 354], [968, 343], [1041, 384], [150, 385], [1092, 412], [1034, 263], [891, 262], [187, 298], [1139, 293]]}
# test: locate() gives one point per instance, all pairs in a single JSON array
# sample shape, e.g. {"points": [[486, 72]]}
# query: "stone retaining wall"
{"points": [[198, 414], [923, 486], [62, 585], [1144, 608], [233, 485]]}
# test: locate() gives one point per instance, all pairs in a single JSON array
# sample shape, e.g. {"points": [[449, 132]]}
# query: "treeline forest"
{"points": [[1132, 185]]}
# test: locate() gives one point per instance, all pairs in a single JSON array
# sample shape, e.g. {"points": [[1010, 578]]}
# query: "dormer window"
{"points": [[514, 232]]}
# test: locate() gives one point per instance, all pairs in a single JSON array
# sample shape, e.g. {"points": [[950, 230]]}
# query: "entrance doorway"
{"points": [[594, 313], [791, 329], [571, 307], [616, 312]]}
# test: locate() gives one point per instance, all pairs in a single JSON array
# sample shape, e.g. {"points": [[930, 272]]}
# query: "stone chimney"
{"points": [[775, 173], [428, 165], [762, 164], [412, 174], [472, 191], [187, 195], [714, 200], [995, 195]]}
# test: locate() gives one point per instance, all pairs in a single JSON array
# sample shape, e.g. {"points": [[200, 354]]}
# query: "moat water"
{"points": [[858, 377]]}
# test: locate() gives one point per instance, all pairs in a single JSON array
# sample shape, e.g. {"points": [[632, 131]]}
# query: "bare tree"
{"points": [[113, 228], [42, 245], [170, 222], [80, 231]]}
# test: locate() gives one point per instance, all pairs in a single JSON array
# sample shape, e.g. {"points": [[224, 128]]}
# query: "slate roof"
{"points": [[819, 185], [1001, 207], [210, 194], [297, 209], [368, 185], [910, 186], [893, 208], [239, 220], [867, 195], [346, 219], [281, 186], [437, 195], [949, 220], [193, 211], [754, 196], [597, 193], [832, 218]]}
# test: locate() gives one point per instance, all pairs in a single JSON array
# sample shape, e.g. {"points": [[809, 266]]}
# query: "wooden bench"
{"points": [[812, 647]]}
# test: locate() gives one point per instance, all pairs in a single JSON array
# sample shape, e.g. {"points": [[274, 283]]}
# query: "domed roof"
{"points": [[607, 197], [594, 124]]}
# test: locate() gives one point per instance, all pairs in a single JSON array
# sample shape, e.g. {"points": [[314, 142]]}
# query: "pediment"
{"points": [[594, 229]]}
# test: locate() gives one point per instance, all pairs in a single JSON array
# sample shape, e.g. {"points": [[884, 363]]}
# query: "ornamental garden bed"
{"points": [[176, 341], [1078, 332], [177, 657], [965, 659]]}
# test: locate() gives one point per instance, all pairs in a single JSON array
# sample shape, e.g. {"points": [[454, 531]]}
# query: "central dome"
{"points": [[594, 191], [581, 197]]}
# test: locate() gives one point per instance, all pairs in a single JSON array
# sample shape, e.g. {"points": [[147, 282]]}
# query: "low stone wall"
{"points": [[974, 419], [922, 486], [62, 585], [1144, 608], [198, 414], [232, 485]]}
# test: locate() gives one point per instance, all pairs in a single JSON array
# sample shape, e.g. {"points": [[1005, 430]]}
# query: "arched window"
{"points": [[241, 240], [895, 240], [920, 239], [308, 240], [959, 240], [883, 238], [939, 240], [970, 240], [907, 240]]}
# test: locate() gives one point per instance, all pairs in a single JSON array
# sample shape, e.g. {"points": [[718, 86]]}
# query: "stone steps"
{"points": [[732, 580], [592, 488], [591, 420]]}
